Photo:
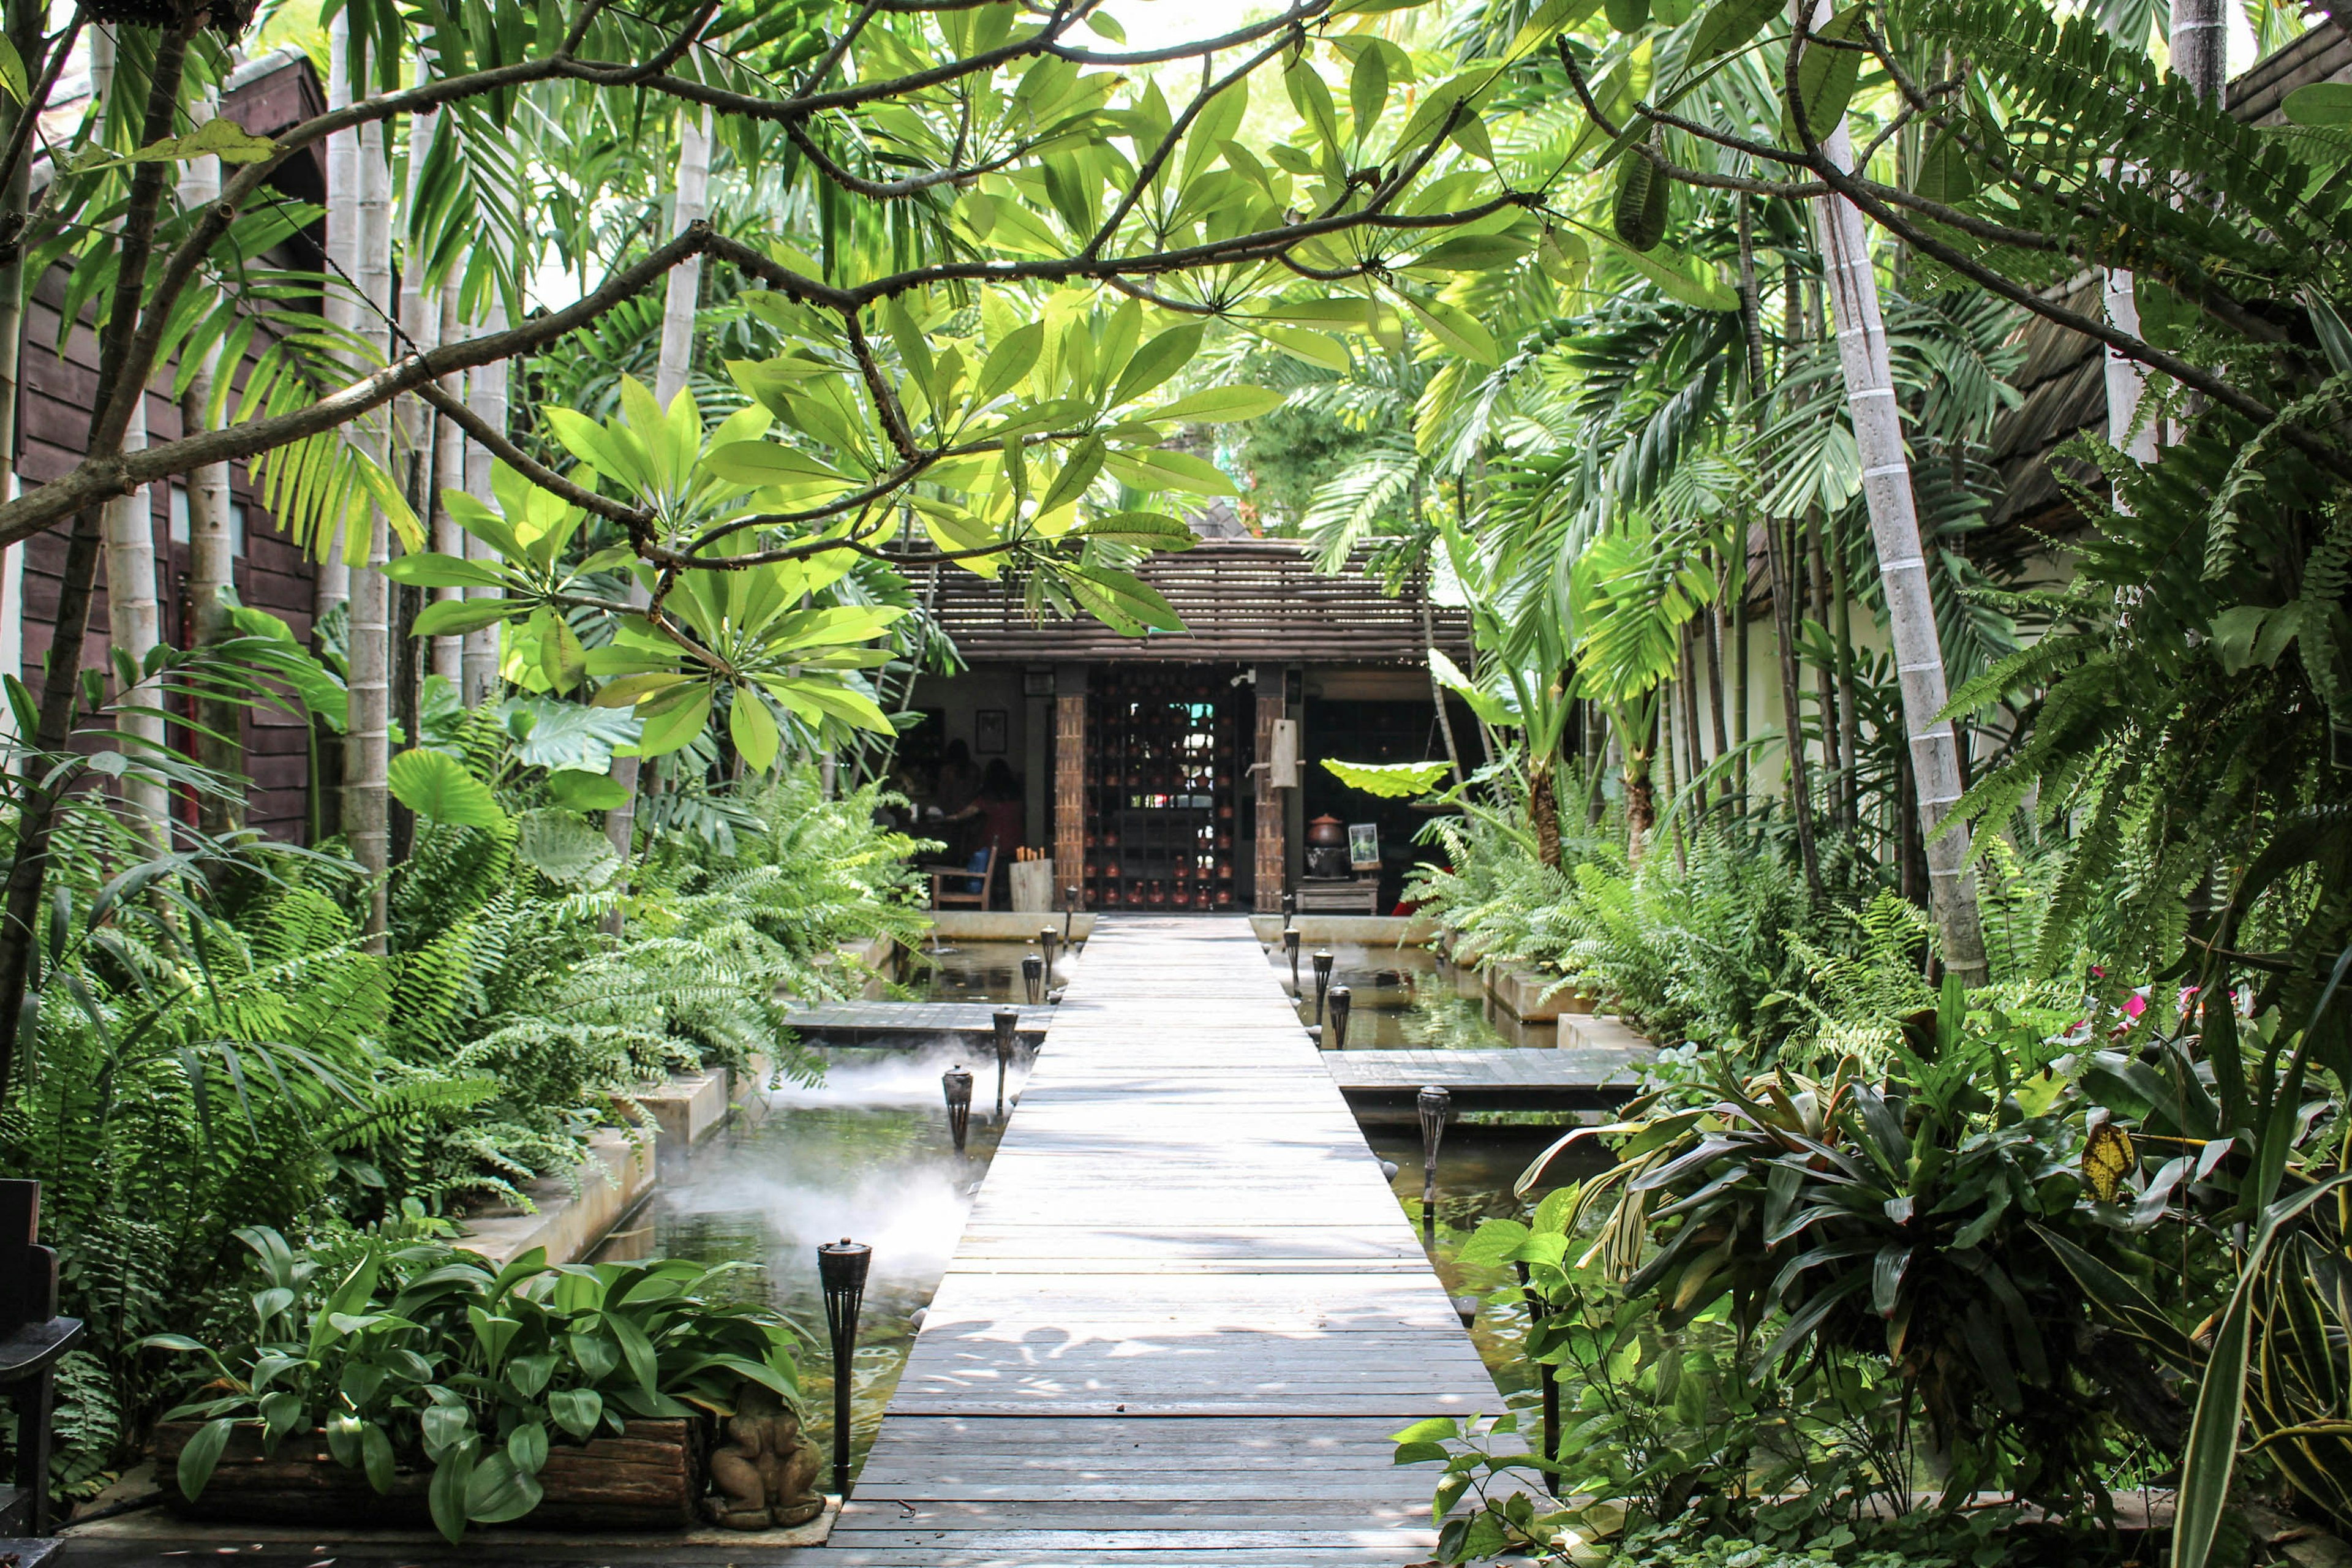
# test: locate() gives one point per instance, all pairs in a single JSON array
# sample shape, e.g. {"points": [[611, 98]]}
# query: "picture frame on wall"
{"points": [[989, 730]]}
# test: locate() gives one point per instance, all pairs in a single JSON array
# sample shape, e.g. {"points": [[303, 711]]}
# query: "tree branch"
{"points": [[98, 478]]}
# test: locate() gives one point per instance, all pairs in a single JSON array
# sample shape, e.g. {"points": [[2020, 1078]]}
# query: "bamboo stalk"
{"points": [[367, 746], [211, 544], [1902, 565]]}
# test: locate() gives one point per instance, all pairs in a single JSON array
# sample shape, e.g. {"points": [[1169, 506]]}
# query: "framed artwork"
{"points": [[1364, 846], [1037, 683], [988, 732]]}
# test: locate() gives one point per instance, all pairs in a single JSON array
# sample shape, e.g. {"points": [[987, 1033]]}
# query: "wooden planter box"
{"points": [[650, 1480]]}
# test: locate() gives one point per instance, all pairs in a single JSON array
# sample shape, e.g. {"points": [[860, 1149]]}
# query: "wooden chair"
{"points": [[32, 1338], [941, 875]]}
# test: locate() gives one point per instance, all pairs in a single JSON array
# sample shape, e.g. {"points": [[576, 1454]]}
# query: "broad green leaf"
{"points": [[754, 730], [2323, 103], [1086, 461], [676, 727], [1468, 253], [1156, 360], [564, 849], [1551, 18], [455, 617], [1368, 91], [446, 1497], [12, 72], [1315, 347], [580, 790], [560, 657], [1148, 530], [1729, 24], [576, 1410], [435, 784], [1638, 210], [1694, 282], [431, 569], [1221, 404], [1312, 99], [1389, 781], [202, 1455], [766, 463], [1458, 329], [1828, 74], [1158, 468], [1008, 363], [495, 1491], [1122, 601]]}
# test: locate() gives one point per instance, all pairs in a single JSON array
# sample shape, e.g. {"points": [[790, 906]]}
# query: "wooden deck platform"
{"points": [[1187, 1312], [1533, 1078], [888, 1023]]}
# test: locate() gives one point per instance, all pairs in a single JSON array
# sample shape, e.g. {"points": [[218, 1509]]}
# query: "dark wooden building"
{"points": [[59, 383], [1155, 769]]}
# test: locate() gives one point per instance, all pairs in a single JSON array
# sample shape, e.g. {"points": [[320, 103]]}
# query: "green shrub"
{"points": [[409, 1353]]}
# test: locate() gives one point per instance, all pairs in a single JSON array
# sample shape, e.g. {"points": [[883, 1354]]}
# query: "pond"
{"points": [[1476, 1168], [974, 971], [867, 1154], [1409, 998]]}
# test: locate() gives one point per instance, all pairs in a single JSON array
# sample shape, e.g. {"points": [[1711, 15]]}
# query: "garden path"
{"points": [[1187, 1312]]}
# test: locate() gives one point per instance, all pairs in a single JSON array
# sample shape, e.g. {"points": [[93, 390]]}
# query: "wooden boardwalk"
{"points": [[1187, 1312]]}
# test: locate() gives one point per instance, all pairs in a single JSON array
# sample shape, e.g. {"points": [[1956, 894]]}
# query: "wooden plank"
{"points": [[1187, 1314]]}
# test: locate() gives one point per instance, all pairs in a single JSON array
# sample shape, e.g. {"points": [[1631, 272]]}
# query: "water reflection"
{"points": [[975, 970], [1409, 998], [865, 1154]]}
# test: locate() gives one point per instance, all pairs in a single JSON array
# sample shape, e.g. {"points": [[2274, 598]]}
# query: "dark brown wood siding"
{"points": [[60, 384]]}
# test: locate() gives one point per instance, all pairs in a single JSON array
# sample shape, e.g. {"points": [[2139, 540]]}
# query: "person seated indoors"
{"points": [[993, 818]]}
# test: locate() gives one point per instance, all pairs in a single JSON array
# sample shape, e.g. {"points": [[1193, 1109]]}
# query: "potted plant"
{"points": [[391, 1378]]}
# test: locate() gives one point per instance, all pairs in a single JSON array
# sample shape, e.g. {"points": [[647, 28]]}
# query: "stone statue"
{"points": [[766, 1473]]}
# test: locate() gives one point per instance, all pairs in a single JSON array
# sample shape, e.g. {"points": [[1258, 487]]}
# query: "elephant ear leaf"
{"points": [[1389, 781], [435, 786]]}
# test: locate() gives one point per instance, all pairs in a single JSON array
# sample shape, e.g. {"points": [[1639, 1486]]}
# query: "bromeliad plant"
{"points": [[1907, 1219], [408, 1353]]}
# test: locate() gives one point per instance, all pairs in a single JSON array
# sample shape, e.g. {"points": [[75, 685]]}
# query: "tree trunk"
{"points": [[1714, 693], [420, 317], [448, 474], [485, 395], [61, 683], [1849, 718], [1902, 566], [212, 549], [1693, 745], [24, 26], [1543, 811], [671, 370], [367, 746], [1825, 674], [134, 617], [339, 304], [1779, 546], [1641, 794], [1437, 686]]}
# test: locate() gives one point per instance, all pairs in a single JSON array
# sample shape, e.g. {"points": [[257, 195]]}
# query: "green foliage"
{"points": [[405, 1352]]}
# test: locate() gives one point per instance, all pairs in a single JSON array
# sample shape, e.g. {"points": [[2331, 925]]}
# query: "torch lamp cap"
{"points": [[1435, 1099], [841, 1265], [957, 1082], [1290, 938], [1323, 961]]}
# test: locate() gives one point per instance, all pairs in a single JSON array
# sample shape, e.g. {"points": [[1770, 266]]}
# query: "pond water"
{"points": [[866, 1154], [974, 971], [1407, 997], [1476, 1169]]}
